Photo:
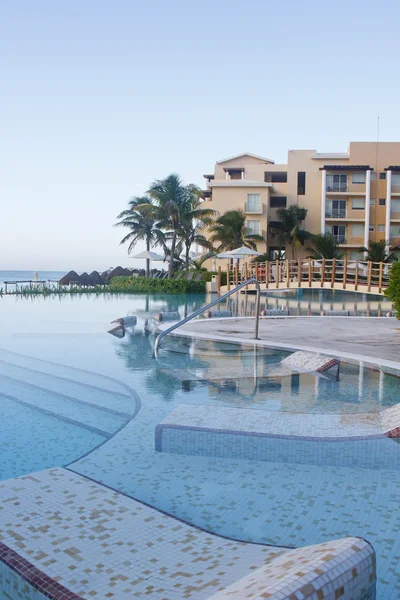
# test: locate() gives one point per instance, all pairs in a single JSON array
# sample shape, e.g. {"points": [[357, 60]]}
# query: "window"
{"points": [[358, 177], [372, 202], [358, 204], [275, 176], [395, 205], [395, 231], [381, 228], [356, 255], [395, 178], [278, 202], [382, 201], [336, 209], [336, 183], [275, 224], [301, 183], [253, 203], [382, 175], [254, 226], [372, 227], [338, 232], [357, 230]]}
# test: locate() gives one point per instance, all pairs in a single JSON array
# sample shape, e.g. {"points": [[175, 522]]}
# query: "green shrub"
{"points": [[132, 285], [393, 289]]}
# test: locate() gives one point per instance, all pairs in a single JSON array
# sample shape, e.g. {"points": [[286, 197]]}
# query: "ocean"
{"points": [[25, 275]]}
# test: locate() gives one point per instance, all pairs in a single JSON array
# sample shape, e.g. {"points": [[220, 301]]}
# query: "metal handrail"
{"points": [[213, 303]]}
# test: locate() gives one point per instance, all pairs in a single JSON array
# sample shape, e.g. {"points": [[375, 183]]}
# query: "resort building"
{"points": [[354, 194]]}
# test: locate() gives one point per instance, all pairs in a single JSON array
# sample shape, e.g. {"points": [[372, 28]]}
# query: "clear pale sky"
{"points": [[98, 98]]}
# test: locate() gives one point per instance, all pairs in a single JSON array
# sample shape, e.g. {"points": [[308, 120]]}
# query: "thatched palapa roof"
{"points": [[118, 272], [96, 278], [86, 279], [70, 277]]}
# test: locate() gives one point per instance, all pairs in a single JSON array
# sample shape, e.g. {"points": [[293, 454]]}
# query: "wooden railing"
{"points": [[354, 275]]}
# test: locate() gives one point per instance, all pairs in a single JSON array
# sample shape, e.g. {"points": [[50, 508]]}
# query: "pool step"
{"points": [[100, 418], [67, 380], [55, 415]]}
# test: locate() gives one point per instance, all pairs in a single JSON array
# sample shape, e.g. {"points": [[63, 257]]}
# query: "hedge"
{"points": [[393, 289], [132, 285]]}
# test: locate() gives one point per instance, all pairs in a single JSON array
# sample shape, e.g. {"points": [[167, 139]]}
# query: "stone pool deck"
{"points": [[69, 537], [372, 337]]}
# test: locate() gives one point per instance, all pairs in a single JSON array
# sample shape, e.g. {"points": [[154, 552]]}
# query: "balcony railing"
{"points": [[340, 239], [255, 209], [337, 187], [336, 213]]}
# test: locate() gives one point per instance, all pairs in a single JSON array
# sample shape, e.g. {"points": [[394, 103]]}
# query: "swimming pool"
{"points": [[307, 494]]}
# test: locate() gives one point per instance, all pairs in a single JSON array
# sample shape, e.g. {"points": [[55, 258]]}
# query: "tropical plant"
{"points": [[170, 197], [141, 220], [193, 221], [288, 230], [229, 231], [325, 246], [376, 252], [196, 264]]}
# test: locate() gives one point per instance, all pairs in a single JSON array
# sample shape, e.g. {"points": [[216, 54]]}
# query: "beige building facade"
{"points": [[355, 195]]}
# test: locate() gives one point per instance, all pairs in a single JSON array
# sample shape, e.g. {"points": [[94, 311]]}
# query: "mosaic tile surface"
{"points": [[343, 569], [91, 542], [101, 544]]}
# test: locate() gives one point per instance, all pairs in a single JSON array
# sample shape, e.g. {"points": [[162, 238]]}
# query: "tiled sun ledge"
{"points": [[70, 537]]}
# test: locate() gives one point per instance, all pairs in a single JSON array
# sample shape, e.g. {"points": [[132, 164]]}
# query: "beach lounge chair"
{"points": [[179, 276], [198, 277], [189, 276]]}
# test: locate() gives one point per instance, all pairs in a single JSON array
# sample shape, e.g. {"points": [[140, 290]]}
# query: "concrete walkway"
{"points": [[378, 338]]}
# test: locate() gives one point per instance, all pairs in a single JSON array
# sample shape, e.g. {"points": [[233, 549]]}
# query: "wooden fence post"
{"points": [[246, 272], [267, 274], [228, 277], [287, 273], [299, 267], [344, 272], [369, 274], [309, 272], [236, 274], [380, 276], [333, 272], [323, 273], [277, 274], [356, 277], [219, 279]]}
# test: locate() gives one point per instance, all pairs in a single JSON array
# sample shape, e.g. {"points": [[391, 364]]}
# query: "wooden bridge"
{"points": [[362, 276]]}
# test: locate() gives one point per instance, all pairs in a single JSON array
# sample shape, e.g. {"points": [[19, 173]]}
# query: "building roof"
{"points": [[331, 155], [241, 183], [347, 168], [393, 168], [262, 158], [209, 176]]}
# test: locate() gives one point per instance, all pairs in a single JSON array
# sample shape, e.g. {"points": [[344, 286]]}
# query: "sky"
{"points": [[100, 98]]}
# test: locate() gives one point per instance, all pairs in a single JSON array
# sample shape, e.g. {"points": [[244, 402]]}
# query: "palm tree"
{"points": [[376, 252], [169, 196], [325, 246], [287, 230], [197, 263], [141, 220], [231, 232], [194, 220]]}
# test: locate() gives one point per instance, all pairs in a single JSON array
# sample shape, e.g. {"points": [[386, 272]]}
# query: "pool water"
{"points": [[93, 402]]}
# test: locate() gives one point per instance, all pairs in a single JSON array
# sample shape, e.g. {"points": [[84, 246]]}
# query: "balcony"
{"points": [[340, 239], [337, 187], [253, 209], [336, 213]]}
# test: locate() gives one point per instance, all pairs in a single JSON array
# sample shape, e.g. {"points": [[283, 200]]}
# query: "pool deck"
{"points": [[363, 337]]}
